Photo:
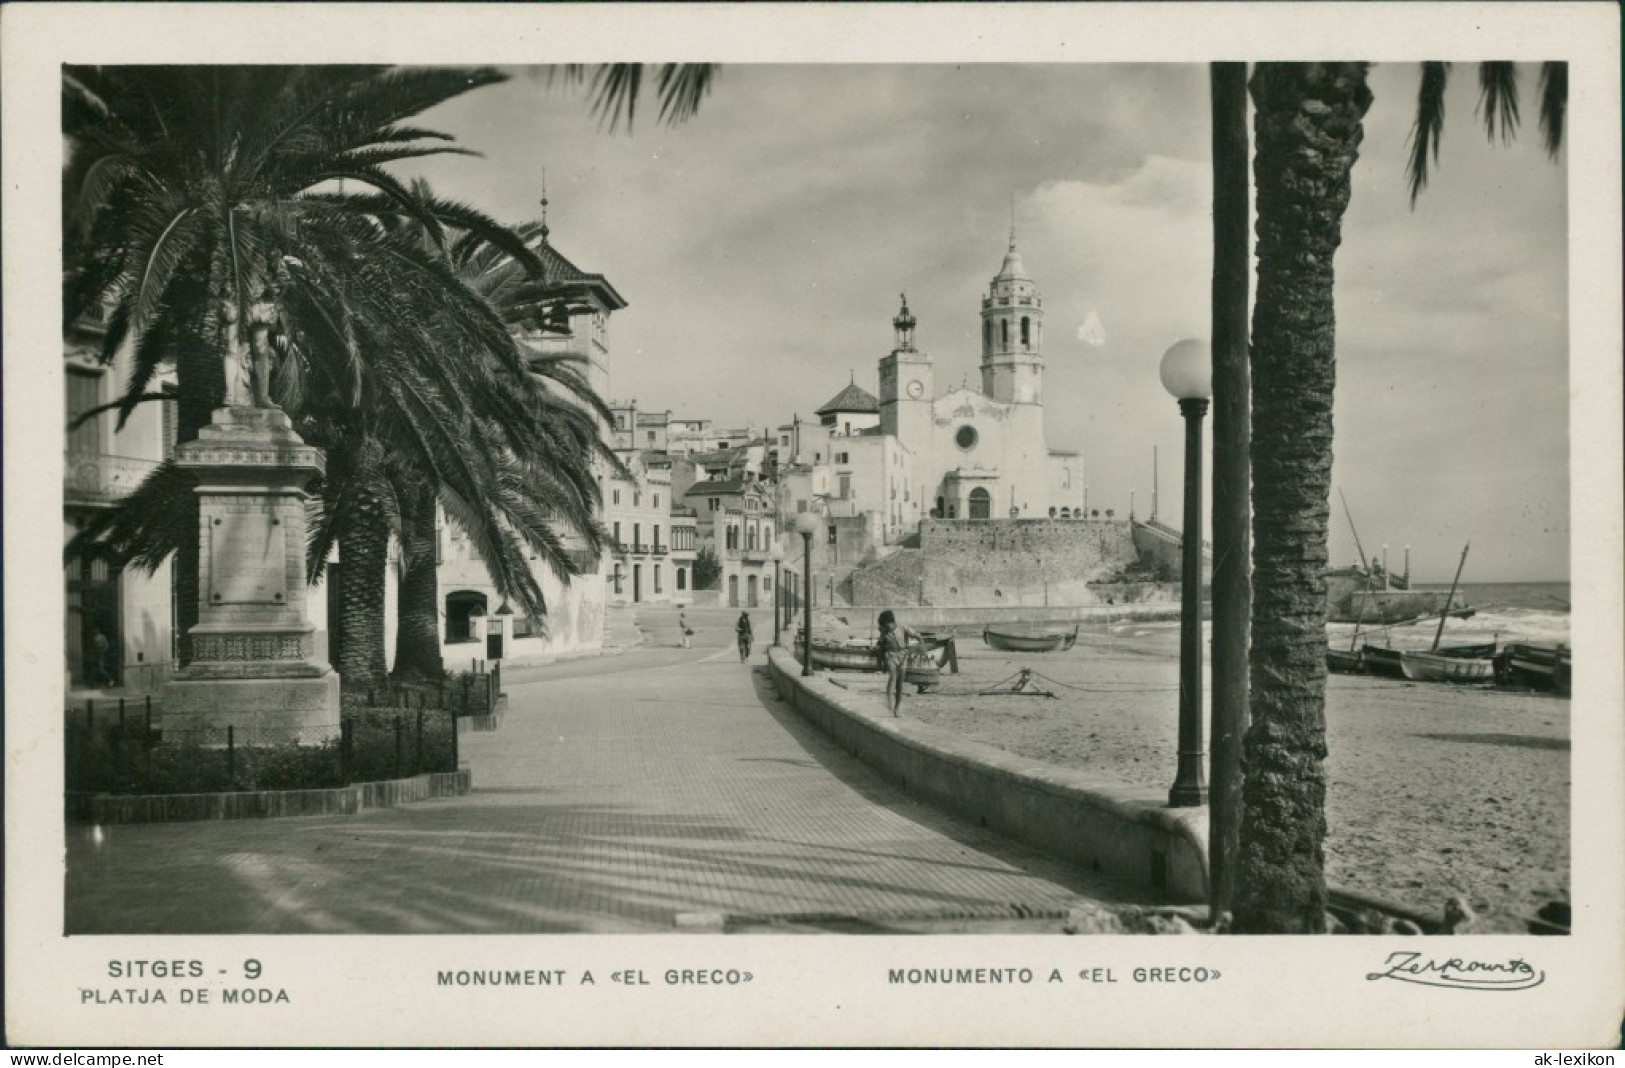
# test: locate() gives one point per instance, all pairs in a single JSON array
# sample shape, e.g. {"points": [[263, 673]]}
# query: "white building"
{"points": [[121, 623]]}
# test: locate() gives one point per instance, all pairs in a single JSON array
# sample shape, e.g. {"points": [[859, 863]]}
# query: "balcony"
{"points": [[658, 550], [97, 478]]}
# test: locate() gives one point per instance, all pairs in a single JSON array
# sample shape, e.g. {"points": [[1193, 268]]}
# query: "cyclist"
{"points": [[742, 629]]}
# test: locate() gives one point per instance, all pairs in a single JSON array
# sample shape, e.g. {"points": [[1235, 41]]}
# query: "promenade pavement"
{"points": [[658, 789]]}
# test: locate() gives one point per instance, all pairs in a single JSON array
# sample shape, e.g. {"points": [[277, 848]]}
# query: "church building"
{"points": [[965, 453]]}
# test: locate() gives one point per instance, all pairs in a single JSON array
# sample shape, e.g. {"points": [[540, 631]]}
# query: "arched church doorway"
{"points": [[981, 504]]}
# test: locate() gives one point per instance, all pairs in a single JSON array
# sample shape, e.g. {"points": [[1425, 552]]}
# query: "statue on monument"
{"points": [[261, 317], [248, 368], [235, 363]]}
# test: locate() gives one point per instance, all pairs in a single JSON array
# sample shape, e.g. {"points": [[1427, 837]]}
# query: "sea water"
{"points": [[1536, 612]]}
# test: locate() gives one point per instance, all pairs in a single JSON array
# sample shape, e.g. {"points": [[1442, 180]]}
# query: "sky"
{"points": [[762, 247]]}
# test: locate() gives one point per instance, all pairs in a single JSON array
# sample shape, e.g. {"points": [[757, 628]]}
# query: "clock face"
{"points": [[915, 388]]}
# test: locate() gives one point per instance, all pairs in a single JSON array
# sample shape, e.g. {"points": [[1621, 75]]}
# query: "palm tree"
{"points": [[192, 194], [1308, 132]]}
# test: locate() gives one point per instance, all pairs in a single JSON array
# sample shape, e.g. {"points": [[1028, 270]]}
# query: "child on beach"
{"points": [[894, 640]]}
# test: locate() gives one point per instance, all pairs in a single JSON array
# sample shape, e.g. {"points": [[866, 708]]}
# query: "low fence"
{"points": [[129, 755], [394, 730], [1091, 820]]}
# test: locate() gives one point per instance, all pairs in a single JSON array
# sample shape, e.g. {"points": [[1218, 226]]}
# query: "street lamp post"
{"points": [[806, 524], [1187, 373], [776, 554]]}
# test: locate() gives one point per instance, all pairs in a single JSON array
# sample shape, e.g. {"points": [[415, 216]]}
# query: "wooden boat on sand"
{"points": [[1536, 667], [1345, 662], [1014, 640], [1458, 665], [934, 654]]}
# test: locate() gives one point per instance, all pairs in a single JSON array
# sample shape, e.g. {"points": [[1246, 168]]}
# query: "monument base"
{"points": [[256, 663], [268, 711]]}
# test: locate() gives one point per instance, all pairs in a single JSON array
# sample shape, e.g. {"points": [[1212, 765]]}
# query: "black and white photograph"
{"points": [[813, 525]]}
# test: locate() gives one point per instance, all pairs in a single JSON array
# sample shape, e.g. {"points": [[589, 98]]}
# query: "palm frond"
{"points": [[1554, 104], [1498, 98], [143, 529], [1428, 128], [682, 87]]}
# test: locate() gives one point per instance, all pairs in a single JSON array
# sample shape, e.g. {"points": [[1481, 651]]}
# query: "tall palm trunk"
{"points": [[1232, 513], [363, 558], [200, 389], [1308, 133], [417, 630]]}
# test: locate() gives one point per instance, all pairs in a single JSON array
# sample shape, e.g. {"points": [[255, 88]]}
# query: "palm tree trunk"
{"points": [[363, 558], [1308, 134], [1232, 592], [200, 388], [417, 630]]}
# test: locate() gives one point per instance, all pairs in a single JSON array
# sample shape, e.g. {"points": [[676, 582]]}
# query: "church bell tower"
{"points": [[906, 385], [1013, 334]]}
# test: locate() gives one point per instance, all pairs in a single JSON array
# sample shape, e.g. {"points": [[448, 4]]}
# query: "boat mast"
{"points": [[1350, 516], [1451, 597]]}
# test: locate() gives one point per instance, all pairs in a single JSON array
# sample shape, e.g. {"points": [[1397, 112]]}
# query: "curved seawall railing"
{"points": [[1085, 818]]}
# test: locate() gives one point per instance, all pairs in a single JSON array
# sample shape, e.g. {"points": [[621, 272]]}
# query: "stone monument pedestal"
{"points": [[257, 663]]}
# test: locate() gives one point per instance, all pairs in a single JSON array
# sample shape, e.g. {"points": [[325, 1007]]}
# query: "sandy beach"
{"points": [[1433, 790]]}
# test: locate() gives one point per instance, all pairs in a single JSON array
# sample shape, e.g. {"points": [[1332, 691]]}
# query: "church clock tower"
{"points": [[906, 386], [1013, 334]]}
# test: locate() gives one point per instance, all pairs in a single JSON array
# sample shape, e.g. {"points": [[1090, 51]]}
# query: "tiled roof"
{"points": [[854, 398], [561, 272], [733, 485]]}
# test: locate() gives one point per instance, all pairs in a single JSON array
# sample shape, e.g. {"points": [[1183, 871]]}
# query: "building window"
{"points": [[682, 578], [713, 503], [1004, 330], [657, 578], [657, 505], [657, 536], [965, 437], [637, 498], [84, 391], [651, 437], [617, 533], [843, 457], [1026, 333], [637, 535], [617, 497]]}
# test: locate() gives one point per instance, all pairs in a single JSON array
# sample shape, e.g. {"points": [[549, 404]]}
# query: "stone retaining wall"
{"points": [[265, 804], [1087, 819]]}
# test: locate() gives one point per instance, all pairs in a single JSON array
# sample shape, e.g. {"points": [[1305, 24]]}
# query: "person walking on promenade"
{"points": [[683, 630], [894, 642], [742, 629]]}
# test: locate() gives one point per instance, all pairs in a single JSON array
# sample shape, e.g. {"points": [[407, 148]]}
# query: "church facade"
{"points": [[963, 453]]}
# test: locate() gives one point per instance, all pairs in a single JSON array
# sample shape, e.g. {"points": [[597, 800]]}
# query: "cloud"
{"points": [[1092, 333]]}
